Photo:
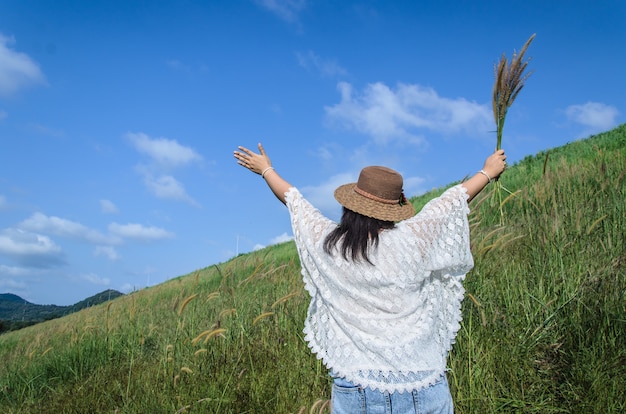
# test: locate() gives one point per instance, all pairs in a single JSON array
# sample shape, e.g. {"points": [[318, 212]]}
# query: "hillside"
{"points": [[16, 312], [543, 320]]}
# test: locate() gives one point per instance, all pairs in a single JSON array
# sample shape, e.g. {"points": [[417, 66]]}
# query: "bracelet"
{"points": [[486, 175], [266, 170]]}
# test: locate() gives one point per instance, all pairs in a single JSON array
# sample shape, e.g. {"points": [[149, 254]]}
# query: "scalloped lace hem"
{"points": [[392, 381]]}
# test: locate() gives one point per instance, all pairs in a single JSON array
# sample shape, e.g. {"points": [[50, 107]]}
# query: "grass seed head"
{"points": [[509, 81], [185, 303], [261, 316]]}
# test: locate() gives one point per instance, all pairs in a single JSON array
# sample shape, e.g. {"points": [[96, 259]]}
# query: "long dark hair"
{"points": [[354, 235]]}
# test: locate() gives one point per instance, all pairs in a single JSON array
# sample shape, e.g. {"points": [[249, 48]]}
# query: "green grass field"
{"points": [[543, 331]]}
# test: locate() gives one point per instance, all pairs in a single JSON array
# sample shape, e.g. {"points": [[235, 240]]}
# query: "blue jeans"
{"points": [[350, 399]]}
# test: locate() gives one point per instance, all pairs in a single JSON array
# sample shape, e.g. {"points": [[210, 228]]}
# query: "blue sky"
{"points": [[118, 119]]}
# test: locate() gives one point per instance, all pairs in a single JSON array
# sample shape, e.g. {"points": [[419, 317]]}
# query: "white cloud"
{"points": [[594, 115], [322, 196], [39, 222], [17, 70], [405, 113], [3, 114], [108, 251], [167, 187], [11, 284], [281, 238], [139, 232], [13, 271], [164, 151], [325, 67], [287, 10], [324, 153], [30, 249], [108, 207], [15, 241], [127, 288], [414, 186], [96, 280], [276, 240]]}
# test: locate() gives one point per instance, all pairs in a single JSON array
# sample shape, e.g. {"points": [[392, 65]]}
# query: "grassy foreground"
{"points": [[543, 330]]}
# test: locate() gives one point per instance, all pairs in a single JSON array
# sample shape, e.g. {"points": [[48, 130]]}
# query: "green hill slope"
{"points": [[543, 329]]}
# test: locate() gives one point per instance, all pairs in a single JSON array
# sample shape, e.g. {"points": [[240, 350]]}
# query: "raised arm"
{"points": [[260, 164], [493, 167]]}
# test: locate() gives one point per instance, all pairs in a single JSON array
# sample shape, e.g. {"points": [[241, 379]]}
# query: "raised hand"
{"points": [[495, 164], [257, 163]]}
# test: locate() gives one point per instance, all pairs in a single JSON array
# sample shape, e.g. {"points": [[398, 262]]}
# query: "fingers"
{"points": [[240, 156], [246, 150], [242, 159], [245, 157], [251, 160], [252, 153], [495, 164], [500, 155]]}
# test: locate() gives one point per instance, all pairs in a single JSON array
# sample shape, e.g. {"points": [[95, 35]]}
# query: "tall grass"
{"points": [[189, 345], [543, 329]]}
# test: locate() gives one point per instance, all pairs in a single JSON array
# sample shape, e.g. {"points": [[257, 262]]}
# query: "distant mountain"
{"points": [[18, 312], [96, 299], [10, 297]]}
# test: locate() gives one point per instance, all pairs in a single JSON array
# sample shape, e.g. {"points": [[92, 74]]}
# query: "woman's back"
{"points": [[386, 324]]}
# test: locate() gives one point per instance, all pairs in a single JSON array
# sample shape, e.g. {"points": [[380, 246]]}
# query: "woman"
{"points": [[385, 285]]}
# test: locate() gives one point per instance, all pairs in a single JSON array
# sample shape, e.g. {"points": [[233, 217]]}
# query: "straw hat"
{"points": [[377, 194]]}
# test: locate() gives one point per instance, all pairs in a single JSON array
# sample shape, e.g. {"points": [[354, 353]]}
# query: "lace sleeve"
{"points": [[308, 223], [443, 230], [309, 226]]}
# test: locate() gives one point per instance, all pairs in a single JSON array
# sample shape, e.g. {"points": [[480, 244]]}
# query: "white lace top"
{"points": [[389, 326]]}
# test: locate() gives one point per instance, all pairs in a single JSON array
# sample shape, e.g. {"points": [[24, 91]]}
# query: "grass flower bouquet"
{"points": [[510, 77]]}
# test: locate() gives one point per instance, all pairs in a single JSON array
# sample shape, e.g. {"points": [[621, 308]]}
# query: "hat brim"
{"points": [[350, 199]]}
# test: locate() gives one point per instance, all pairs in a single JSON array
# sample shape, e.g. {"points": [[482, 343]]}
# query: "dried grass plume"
{"points": [[509, 81]]}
